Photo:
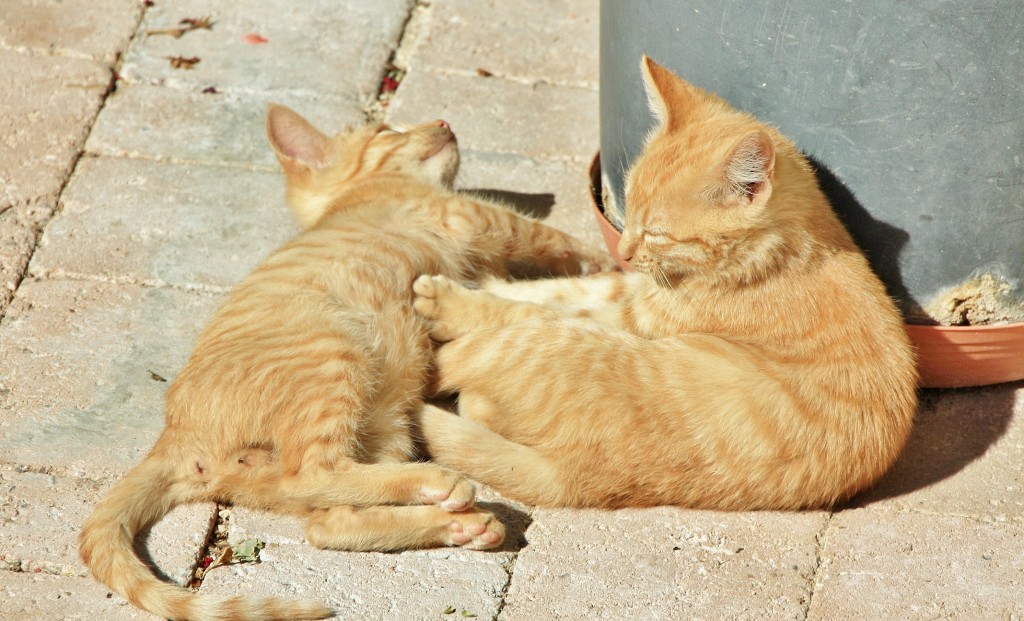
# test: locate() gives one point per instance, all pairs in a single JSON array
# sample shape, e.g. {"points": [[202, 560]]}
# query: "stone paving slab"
{"points": [[43, 597], [495, 115], [323, 48], [97, 29], [41, 515], [913, 566], [210, 128], [556, 192], [80, 368], [44, 122], [664, 564], [964, 456], [362, 585], [138, 221], [555, 40]]}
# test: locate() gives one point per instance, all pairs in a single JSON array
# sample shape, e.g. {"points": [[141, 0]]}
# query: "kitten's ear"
{"points": [[299, 146], [670, 97], [749, 171]]}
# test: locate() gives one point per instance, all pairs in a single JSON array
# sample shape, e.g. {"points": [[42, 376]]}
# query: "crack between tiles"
{"points": [[821, 539], [146, 283], [398, 64], [510, 568]]}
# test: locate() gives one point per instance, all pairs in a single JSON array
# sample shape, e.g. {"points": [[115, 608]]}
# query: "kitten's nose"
{"points": [[626, 247], [443, 124]]}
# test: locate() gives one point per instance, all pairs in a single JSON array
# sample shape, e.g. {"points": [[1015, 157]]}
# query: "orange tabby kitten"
{"points": [[753, 361], [299, 393]]}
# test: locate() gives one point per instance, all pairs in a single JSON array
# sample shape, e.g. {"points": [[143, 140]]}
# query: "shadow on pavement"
{"points": [[953, 429]]}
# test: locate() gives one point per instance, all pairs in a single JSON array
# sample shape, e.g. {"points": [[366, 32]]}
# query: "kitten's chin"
{"points": [[449, 167]]}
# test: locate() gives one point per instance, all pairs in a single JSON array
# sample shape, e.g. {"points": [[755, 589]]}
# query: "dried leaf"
{"points": [[248, 551], [483, 73], [156, 378], [181, 62], [210, 90], [468, 614], [224, 558], [201, 23], [186, 25], [449, 610]]}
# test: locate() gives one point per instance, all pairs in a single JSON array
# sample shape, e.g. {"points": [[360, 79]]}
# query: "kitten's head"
{"points": [[698, 194], [318, 168]]}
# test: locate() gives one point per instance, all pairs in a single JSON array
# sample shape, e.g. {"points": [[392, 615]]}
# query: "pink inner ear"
{"points": [[294, 137]]}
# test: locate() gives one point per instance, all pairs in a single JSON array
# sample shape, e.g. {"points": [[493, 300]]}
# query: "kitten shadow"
{"points": [[534, 205], [880, 241], [142, 551], [516, 524], [954, 428]]}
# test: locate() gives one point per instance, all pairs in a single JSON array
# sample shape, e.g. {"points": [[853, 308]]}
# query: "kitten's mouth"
{"points": [[443, 144], [443, 137]]}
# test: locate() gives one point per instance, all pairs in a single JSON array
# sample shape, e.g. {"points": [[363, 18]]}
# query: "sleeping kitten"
{"points": [[752, 361], [299, 395]]}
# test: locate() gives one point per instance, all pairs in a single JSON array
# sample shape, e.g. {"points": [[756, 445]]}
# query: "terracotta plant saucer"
{"points": [[947, 357]]}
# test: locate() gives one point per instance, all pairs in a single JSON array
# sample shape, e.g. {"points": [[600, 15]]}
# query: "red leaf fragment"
{"points": [[210, 90], [254, 39], [207, 560]]}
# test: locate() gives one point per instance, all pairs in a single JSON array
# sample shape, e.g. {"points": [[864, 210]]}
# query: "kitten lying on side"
{"points": [[753, 361], [299, 394]]}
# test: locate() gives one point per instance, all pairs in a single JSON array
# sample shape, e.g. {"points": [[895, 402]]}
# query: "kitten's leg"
{"points": [[354, 484], [502, 233], [515, 470], [456, 311], [604, 298], [401, 528]]}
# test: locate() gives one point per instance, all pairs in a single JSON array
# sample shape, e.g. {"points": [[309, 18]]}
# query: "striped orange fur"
{"points": [[303, 391], [753, 360]]}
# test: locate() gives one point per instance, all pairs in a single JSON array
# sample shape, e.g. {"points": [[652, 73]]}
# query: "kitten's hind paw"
{"points": [[433, 300], [476, 530]]}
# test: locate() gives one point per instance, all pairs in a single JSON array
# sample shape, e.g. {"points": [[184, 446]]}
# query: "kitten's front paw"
{"points": [[599, 262], [433, 300], [455, 493], [476, 530]]}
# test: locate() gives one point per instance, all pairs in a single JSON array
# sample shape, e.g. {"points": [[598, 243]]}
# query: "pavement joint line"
{"points": [[585, 85], [510, 568], [59, 52], [57, 472], [161, 159], [297, 93], [820, 541], [376, 110], [208, 541], [145, 283]]}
